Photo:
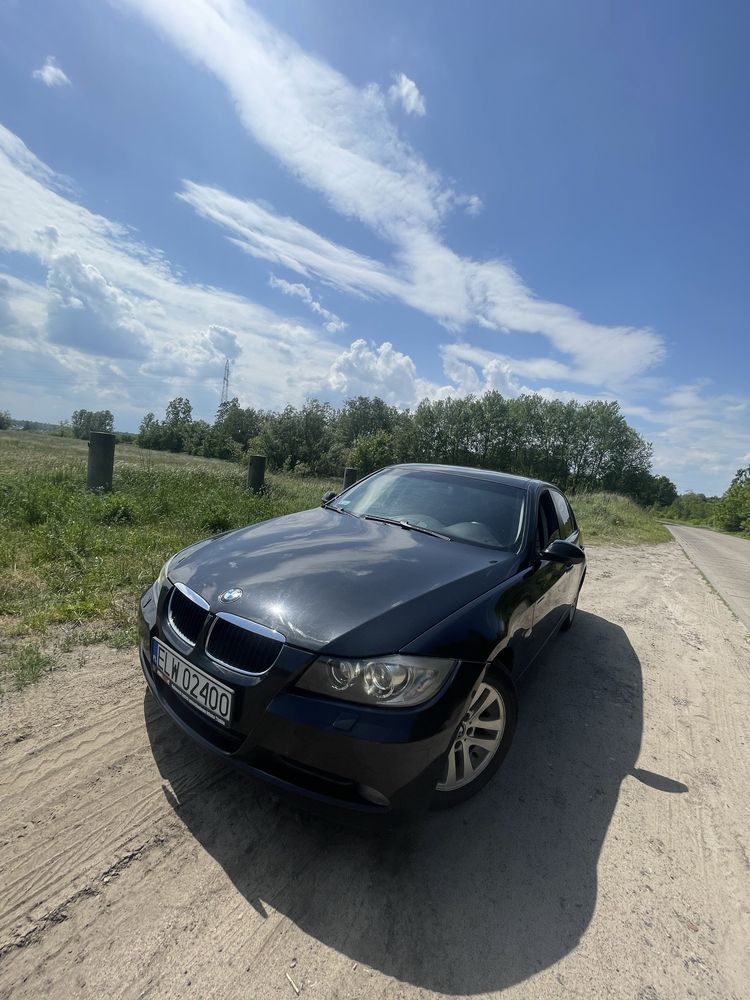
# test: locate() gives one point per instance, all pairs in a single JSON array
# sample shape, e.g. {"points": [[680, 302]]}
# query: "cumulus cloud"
{"points": [[50, 74], [23, 311], [477, 370], [89, 313], [332, 322], [226, 342], [495, 374], [406, 93], [201, 359], [370, 369], [367, 370]]}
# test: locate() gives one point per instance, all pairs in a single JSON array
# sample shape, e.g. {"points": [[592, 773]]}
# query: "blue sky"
{"points": [[410, 200]]}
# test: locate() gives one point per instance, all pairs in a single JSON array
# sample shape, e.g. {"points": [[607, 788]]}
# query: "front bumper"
{"points": [[328, 751]]}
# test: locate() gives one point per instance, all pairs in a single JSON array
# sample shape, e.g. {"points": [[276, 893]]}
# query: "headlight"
{"points": [[386, 680], [161, 580]]}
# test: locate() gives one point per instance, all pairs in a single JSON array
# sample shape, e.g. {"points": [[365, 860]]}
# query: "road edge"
{"points": [[738, 613]]}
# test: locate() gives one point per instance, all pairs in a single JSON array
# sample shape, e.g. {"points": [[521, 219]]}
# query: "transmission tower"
{"points": [[225, 384]]}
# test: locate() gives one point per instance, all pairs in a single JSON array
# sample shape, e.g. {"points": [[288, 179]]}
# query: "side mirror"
{"points": [[564, 552], [327, 497]]}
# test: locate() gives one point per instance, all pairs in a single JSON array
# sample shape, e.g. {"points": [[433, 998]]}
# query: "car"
{"points": [[366, 654]]}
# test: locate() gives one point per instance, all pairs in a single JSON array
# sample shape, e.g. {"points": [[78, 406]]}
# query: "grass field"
{"points": [[607, 518], [73, 563]]}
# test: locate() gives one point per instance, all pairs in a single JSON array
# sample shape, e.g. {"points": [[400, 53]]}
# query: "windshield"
{"points": [[465, 508]]}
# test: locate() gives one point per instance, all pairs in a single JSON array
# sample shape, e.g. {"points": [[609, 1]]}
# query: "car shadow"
{"points": [[466, 901]]}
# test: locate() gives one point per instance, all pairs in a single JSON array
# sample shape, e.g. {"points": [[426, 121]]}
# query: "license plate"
{"points": [[197, 688]]}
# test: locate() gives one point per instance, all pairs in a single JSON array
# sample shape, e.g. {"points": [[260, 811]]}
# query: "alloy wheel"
{"points": [[477, 741]]}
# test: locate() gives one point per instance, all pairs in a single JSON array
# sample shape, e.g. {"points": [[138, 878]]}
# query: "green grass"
{"points": [[25, 664], [31, 451], [73, 563], [610, 519]]}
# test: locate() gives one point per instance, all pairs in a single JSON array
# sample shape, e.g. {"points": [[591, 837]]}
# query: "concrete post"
{"points": [[350, 477], [256, 473], [101, 461]]}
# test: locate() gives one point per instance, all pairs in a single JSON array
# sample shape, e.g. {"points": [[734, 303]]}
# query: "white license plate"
{"points": [[193, 685]]}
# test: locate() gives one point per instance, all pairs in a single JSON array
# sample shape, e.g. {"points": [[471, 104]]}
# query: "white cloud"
{"points": [[476, 370], [428, 276], [495, 374], [16, 153], [225, 341], [89, 313], [367, 370], [471, 203], [406, 93], [335, 137], [332, 322], [699, 435], [534, 368], [281, 240], [109, 296], [338, 139], [51, 74]]}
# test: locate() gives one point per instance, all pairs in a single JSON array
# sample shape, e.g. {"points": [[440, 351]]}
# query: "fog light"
{"points": [[372, 795]]}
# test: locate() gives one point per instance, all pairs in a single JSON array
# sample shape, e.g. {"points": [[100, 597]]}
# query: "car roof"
{"points": [[522, 482]]}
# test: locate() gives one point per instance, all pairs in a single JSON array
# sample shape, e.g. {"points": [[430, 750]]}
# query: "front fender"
{"points": [[498, 621]]}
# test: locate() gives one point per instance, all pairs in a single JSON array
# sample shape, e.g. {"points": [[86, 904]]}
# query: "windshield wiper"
{"points": [[339, 510], [407, 525]]}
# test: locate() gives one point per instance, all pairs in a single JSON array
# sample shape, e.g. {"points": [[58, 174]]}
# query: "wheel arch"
{"points": [[504, 663]]}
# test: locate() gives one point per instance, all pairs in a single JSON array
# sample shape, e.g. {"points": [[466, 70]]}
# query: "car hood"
{"points": [[333, 582]]}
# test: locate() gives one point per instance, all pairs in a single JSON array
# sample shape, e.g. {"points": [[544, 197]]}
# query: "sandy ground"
{"points": [[609, 858]]}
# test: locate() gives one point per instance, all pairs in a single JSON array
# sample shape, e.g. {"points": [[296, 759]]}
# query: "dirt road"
{"points": [[724, 560], [609, 858]]}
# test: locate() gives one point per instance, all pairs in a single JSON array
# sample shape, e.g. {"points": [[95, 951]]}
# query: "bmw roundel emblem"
{"points": [[230, 596]]}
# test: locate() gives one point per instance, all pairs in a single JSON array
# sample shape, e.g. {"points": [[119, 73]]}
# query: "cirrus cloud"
{"points": [[332, 322], [366, 370]]}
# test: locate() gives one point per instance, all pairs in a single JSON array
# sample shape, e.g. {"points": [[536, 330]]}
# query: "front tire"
{"points": [[480, 743]]}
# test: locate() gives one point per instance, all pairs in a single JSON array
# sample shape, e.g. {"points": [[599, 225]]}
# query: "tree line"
{"points": [[83, 422], [729, 512], [578, 446]]}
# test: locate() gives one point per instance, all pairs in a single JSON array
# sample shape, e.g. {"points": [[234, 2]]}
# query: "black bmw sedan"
{"points": [[367, 653]]}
